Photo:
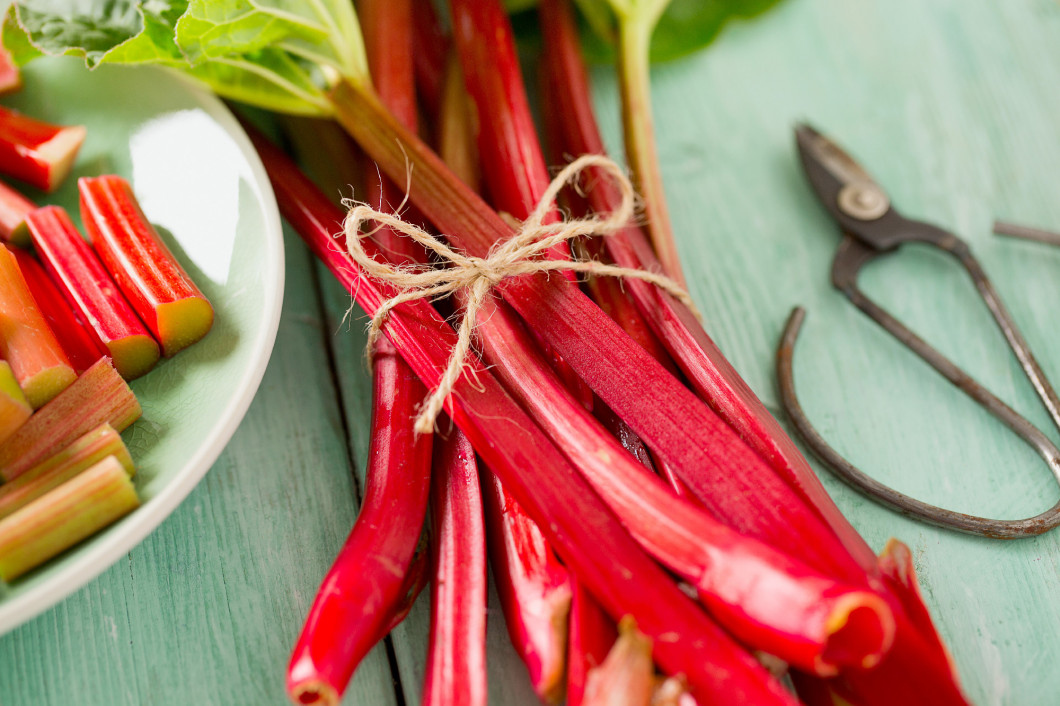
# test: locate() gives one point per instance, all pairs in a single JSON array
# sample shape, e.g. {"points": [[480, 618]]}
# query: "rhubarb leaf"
{"points": [[118, 32], [322, 31], [685, 26]]}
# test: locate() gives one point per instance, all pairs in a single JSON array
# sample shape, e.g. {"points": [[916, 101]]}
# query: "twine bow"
{"points": [[521, 254]]}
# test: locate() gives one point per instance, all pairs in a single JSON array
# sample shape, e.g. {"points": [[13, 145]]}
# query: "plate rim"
{"points": [[105, 553]]}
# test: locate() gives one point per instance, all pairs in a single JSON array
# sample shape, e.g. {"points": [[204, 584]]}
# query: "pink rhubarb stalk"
{"points": [[160, 291], [75, 338], [91, 292], [26, 341], [10, 76], [38, 153], [99, 396], [367, 581], [588, 536], [456, 651]]}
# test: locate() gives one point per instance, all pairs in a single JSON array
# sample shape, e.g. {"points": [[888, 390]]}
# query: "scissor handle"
{"points": [[884, 494]]}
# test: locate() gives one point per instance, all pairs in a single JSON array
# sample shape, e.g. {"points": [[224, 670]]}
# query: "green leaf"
{"points": [[113, 31], [270, 78], [685, 27]]}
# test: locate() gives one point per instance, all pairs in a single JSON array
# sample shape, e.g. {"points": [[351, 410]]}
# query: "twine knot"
{"points": [[523, 253]]}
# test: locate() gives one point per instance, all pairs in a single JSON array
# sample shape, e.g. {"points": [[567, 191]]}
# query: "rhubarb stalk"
{"points": [[367, 581], [92, 292], [456, 649], [26, 341], [592, 633], [64, 516], [158, 288], [74, 337], [13, 209], [38, 153], [627, 675], [99, 396]]}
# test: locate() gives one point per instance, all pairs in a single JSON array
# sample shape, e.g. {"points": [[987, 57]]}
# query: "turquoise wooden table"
{"points": [[954, 105]]}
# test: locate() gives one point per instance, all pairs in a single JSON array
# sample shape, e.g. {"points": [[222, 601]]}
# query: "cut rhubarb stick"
{"points": [[75, 338], [366, 581], [592, 633], [586, 534], [148, 274], [13, 209], [85, 452], [91, 292], [10, 76], [768, 600], [456, 650], [64, 516], [26, 341], [14, 408], [711, 375], [627, 675], [38, 153], [100, 396]]}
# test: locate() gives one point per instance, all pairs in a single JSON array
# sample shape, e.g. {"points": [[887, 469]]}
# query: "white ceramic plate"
{"points": [[198, 178]]}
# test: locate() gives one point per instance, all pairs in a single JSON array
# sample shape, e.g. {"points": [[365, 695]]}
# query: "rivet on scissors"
{"points": [[863, 201]]}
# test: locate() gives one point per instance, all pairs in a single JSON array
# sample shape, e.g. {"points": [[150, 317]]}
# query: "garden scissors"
{"points": [[871, 228]]}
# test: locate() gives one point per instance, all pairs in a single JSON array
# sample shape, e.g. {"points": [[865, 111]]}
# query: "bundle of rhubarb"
{"points": [[652, 531], [77, 320]]}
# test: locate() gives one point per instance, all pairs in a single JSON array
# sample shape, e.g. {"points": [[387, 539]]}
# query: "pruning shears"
{"points": [[872, 228]]}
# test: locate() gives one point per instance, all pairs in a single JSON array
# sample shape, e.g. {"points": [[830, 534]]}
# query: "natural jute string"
{"points": [[521, 254]]}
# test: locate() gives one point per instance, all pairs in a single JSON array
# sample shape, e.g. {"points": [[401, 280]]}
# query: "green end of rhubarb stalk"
{"points": [[182, 323], [133, 355], [64, 516], [14, 408], [45, 385], [84, 453], [99, 396]]}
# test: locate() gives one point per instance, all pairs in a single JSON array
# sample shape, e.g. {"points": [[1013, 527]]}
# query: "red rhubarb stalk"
{"points": [[366, 584], [158, 288], [74, 337], [38, 153], [26, 341], [711, 375], [534, 588], [99, 396], [14, 408], [587, 535], [91, 292], [592, 633], [13, 209], [429, 59], [456, 650]]}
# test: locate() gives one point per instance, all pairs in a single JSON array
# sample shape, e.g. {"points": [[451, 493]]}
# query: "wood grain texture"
{"points": [[951, 104]]}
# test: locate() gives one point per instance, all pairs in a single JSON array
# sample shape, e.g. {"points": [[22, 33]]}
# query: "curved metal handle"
{"points": [[855, 478]]}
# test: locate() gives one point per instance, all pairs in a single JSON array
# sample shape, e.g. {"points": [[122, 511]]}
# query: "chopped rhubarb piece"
{"points": [[38, 153], [13, 209], [14, 409], [63, 517], [149, 276], [10, 76], [91, 292], [85, 452], [99, 396], [75, 338], [26, 341]]}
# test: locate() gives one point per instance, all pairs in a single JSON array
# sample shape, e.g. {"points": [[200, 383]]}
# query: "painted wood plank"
{"points": [[206, 609]]}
